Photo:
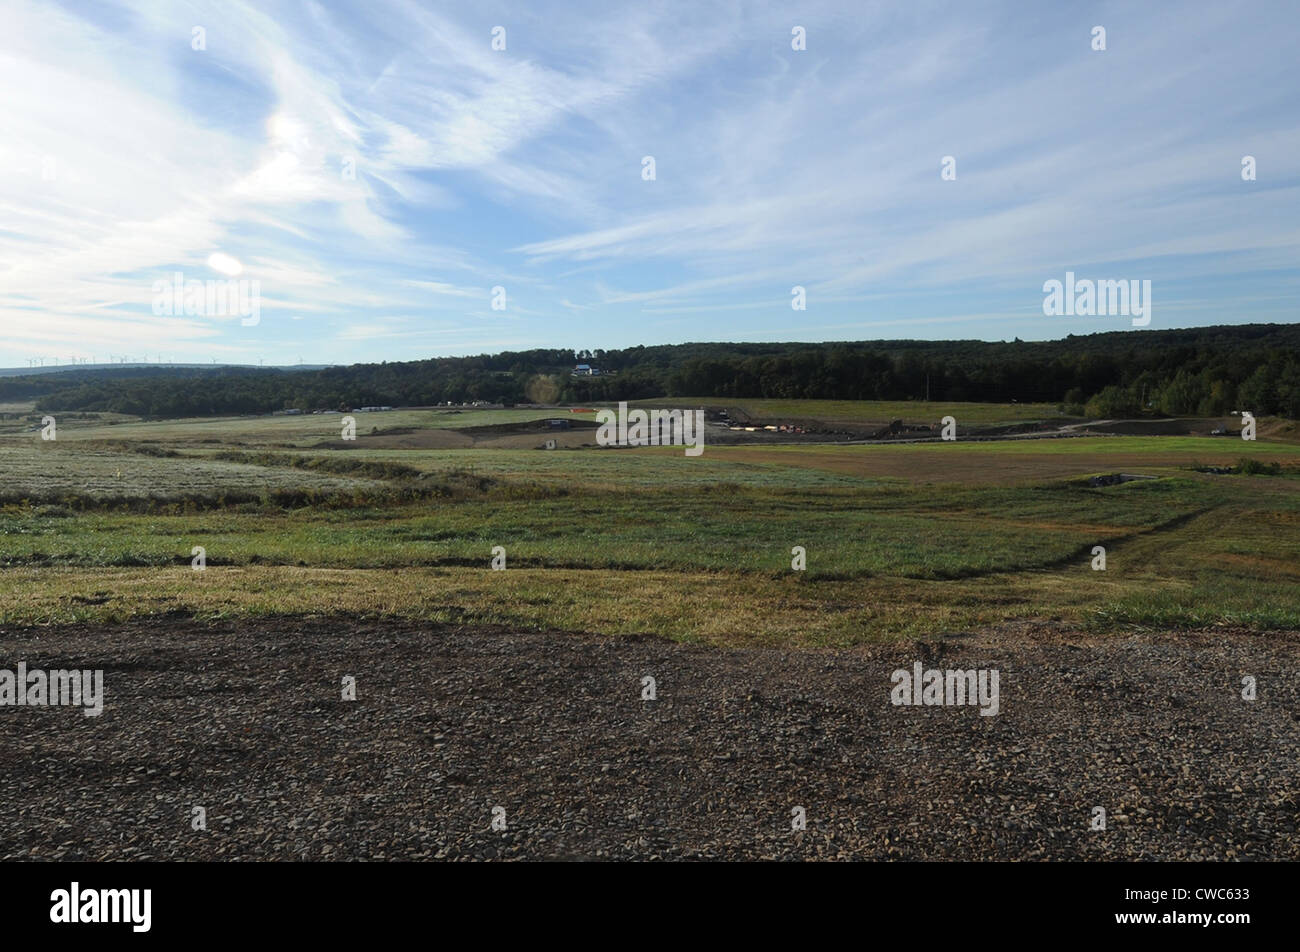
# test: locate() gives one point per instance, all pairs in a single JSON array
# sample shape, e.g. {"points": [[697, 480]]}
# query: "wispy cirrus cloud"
{"points": [[380, 170]]}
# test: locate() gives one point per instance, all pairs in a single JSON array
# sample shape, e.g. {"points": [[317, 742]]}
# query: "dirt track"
{"points": [[246, 720]]}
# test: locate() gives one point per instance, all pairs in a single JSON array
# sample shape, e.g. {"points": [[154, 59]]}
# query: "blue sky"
{"points": [[127, 155]]}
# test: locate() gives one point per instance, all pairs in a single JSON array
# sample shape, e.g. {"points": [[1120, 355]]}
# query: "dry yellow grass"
{"points": [[713, 608]]}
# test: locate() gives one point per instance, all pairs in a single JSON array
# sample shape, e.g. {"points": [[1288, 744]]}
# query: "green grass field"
{"points": [[901, 540], [300, 430], [59, 470]]}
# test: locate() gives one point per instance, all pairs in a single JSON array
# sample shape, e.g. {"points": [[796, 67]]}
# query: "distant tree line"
{"points": [[1198, 371]]}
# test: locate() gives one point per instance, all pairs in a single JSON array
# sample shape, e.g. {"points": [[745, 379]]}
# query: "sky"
{"points": [[388, 184]]}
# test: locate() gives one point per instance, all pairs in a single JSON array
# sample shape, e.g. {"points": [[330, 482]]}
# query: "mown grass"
{"points": [[830, 466], [900, 531], [602, 470], [714, 608], [1010, 462], [305, 429], [901, 540], [60, 471]]}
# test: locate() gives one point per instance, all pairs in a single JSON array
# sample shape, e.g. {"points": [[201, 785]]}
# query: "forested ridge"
{"points": [[1205, 371]]}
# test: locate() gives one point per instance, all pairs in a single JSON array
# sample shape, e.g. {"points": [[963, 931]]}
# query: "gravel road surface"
{"points": [[247, 721]]}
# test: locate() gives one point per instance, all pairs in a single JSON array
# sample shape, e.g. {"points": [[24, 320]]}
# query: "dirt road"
{"points": [[247, 721]]}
